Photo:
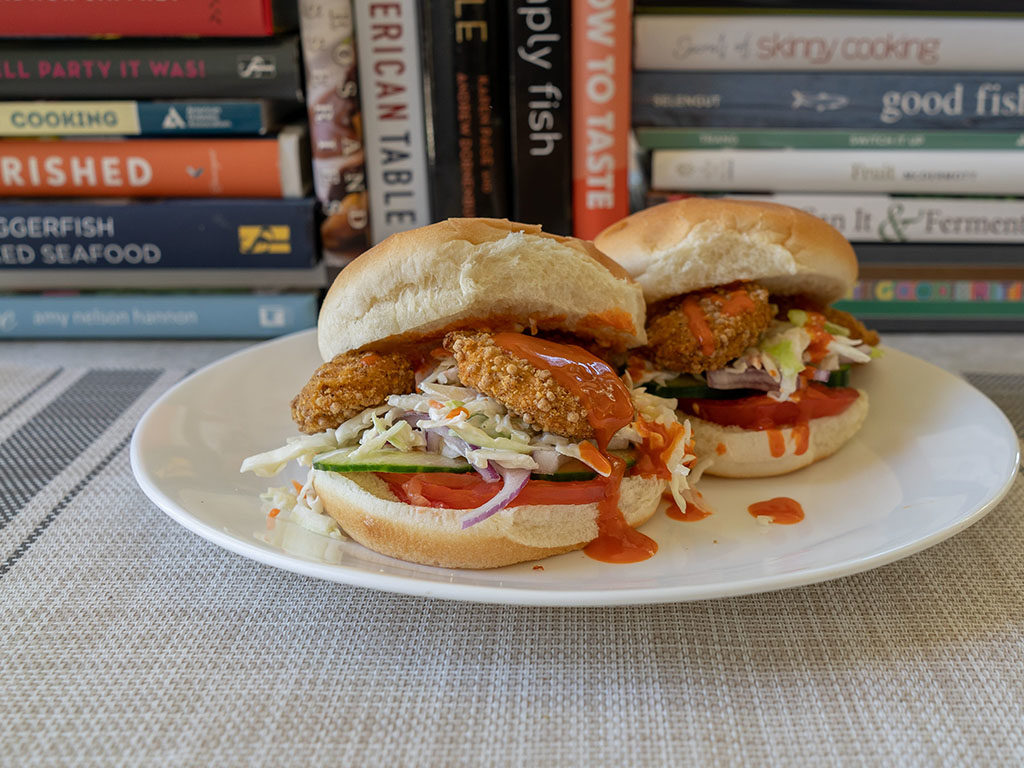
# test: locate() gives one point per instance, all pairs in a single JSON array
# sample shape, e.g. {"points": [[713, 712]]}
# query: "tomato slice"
{"points": [[761, 412], [470, 491]]}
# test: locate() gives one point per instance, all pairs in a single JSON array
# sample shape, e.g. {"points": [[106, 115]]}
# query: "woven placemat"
{"points": [[127, 640]]}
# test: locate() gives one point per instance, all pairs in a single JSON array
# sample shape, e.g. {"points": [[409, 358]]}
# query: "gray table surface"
{"points": [[127, 640]]}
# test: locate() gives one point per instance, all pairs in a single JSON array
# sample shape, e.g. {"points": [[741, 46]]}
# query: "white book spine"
{"points": [[886, 219], [970, 172], [390, 84], [816, 43], [882, 218]]}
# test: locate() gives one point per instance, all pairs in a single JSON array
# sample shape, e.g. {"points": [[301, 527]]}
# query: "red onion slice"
{"points": [[515, 481], [751, 378]]}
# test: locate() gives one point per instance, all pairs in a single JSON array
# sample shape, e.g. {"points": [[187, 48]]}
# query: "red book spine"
{"points": [[84, 18], [264, 167], [601, 33]]}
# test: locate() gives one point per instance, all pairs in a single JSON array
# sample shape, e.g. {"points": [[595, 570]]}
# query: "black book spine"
{"points": [[151, 69], [469, 99], [541, 113], [442, 122]]}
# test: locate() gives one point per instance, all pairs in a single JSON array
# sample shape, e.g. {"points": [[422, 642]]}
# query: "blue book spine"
{"points": [[155, 315], [902, 100], [205, 118], [140, 118], [160, 234]]}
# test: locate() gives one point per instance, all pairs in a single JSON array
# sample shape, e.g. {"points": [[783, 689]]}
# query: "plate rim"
{"points": [[540, 596]]}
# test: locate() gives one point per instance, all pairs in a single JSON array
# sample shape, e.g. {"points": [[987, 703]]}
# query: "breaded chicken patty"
{"points": [[348, 384], [704, 330], [856, 328], [524, 389]]}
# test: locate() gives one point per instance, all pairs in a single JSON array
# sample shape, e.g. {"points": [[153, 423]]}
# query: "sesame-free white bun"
{"points": [[483, 273], [737, 452], [367, 510], [694, 243]]}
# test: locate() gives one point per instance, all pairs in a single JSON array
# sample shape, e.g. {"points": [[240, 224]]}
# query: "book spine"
{"points": [[847, 100], [156, 315], [469, 94], [968, 172], [442, 110], [481, 92], [395, 145], [942, 292], [941, 255], [335, 126], [83, 18], [540, 113], [810, 138], [887, 219], [257, 167], [600, 112], [172, 279], [825, 42], [63, 236], [135, 118], [125, 69]]}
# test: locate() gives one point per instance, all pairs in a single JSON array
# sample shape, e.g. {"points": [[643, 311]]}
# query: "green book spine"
{"points": [[803, 138]]}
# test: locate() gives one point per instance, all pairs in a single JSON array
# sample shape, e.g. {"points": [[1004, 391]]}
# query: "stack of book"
{"points": [[901, 123], [151, 185], [491, 108]]}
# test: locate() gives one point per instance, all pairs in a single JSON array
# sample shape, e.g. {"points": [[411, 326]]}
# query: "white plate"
{"points": [[934, 456]]}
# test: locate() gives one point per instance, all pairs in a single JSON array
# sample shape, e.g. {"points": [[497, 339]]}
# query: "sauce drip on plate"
{"points": [[782, 510], [609, 408], [691, 514]]}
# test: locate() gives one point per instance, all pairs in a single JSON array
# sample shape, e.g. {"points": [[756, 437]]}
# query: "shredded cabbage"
{"points": [[446, 418]]}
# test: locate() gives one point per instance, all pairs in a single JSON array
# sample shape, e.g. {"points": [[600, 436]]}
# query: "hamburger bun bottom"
{"points": [[367, 511], [738, 452]]}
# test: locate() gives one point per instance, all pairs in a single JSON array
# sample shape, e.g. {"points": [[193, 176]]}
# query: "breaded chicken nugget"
{"points": [[346, 385], [704, 330], [524, 389]]}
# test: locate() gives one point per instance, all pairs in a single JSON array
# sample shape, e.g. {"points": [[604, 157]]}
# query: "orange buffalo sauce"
{"points": [[737, 302], [691, 514], [801, 437], [820, 338], [609, 408], [698, 323], [776, 442], [782, 510]]}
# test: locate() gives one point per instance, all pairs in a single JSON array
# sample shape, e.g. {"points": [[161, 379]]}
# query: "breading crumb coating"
{"points": [[524, 389], [346, 385], [732, 325]]}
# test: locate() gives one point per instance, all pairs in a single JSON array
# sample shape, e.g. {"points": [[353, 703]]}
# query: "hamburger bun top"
{"points": [[480, 273], [697, 242]]}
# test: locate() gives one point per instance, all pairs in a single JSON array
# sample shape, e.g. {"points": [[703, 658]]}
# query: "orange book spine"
{"points": [[601, 36], [143, 168]]}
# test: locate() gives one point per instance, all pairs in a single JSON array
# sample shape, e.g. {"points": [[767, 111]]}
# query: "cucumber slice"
{"points": [[840, 378], [577, 470], [691, 388], [418, 461], [389, 461]]}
